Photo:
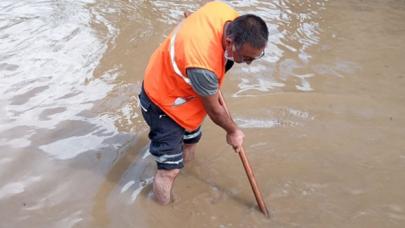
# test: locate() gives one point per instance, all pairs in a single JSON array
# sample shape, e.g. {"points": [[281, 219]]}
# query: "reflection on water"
{"points": [[322, 111], [283, 117], [11, 189]]}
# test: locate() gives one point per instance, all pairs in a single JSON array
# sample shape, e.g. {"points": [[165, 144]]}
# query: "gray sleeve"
{"points": [[204, 82]]}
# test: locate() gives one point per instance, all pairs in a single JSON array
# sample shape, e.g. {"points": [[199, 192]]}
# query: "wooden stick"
{"points": [[248, 170]]}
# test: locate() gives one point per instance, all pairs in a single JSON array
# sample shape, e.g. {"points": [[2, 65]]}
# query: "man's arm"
{"points": [[205, 84], [218, 114]]}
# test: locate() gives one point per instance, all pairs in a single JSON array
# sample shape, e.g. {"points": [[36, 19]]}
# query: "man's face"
{"points": [[245, 53]]}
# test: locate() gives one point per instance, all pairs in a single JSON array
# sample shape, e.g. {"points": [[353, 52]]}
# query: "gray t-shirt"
{"points": [[204, 82]]}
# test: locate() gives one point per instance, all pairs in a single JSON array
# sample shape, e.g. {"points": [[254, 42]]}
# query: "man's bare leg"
{"points": [[189, 152], [163, 184], [164, 179]]}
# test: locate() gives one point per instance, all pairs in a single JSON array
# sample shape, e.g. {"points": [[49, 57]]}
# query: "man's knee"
{"points": [[171, 174], [190, 147]]}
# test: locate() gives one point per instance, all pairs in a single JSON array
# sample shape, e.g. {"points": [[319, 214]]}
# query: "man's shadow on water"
{"points": [[131, 161]]}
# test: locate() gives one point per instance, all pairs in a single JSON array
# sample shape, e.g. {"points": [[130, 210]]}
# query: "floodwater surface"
{"points": [[323, 112]]}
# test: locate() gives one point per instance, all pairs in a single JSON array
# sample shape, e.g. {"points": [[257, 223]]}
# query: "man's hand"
{"points": [[235, 139]]}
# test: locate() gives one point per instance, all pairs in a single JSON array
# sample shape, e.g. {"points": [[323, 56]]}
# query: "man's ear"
{"points": [[228, 41], [187, 13]]}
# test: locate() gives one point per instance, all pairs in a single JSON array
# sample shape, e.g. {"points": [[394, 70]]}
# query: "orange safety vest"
{"points": [[195, 42]]}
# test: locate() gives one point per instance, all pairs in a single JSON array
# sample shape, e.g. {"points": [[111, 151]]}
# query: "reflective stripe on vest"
{"points": [[172, 56]]}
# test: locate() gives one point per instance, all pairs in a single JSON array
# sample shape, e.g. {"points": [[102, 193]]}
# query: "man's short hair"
{"points": [[249, 29]]}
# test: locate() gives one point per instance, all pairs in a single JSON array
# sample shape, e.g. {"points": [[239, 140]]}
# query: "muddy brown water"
{"points": [[323, 113]]}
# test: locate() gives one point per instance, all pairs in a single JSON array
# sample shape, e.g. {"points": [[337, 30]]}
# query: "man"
{"points": [[182, 81]]}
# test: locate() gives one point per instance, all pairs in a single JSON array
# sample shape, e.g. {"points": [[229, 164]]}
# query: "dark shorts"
{"points": [[166, 136]]}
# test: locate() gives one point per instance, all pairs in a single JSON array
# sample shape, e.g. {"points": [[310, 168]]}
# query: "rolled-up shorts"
{"points": [[166, 136]]}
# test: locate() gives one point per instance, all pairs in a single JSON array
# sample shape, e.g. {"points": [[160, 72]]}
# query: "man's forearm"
{"points": [[218, 113], [220, 117]]}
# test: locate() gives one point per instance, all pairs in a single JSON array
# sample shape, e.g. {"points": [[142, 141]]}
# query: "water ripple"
{"points": [[60, 50]]}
